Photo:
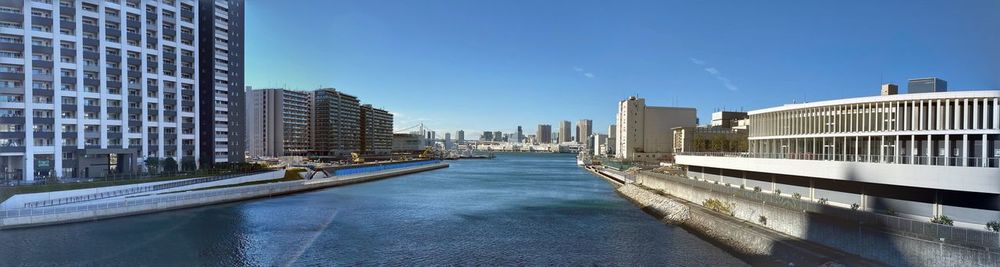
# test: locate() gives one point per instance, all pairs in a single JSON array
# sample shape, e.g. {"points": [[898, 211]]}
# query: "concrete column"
{"points": [[965, 115], [975, 114], [965, 150], [881, 149], [947, 149], [929, 154], [996, 113], [984, 156], [913, 148]]}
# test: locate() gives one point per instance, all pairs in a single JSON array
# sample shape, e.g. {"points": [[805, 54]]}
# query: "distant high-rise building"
{"points": [[544, 134], [498, 136], [644, 132], [461, 136], [376, 131], [487, 136], [335, 129], [612, 133], [565, 133], [520, 135], [277, 123], [926, 85], [727, 119], [584, 128]]}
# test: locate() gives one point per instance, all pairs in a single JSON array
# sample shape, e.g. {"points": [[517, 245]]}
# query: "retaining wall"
{"points": [[13, 218], [856, 239]]}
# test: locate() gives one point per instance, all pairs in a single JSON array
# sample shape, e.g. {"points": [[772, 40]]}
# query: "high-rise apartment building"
{"points": [[115, 82], [376, 131], [220, 90], [565, 134], [461, 136], [519, 135], [498, 136], [644, 132], [335, 129], [612, 134], [544, 134], [584, 128], [277, 123]]}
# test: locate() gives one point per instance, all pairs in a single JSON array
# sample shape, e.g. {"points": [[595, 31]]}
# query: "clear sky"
{"points": [[493, 65]]}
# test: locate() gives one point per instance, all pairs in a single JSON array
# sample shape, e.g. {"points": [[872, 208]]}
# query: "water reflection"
{"points": [[519, 209]]}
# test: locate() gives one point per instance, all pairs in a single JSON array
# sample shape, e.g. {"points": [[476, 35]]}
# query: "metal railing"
{"points": [[382, 167], [129, 191], [991, 162], [157, 199], [897, 225]]}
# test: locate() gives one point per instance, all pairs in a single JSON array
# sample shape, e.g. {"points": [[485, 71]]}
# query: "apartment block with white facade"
{"points": [[111, 83], [918, 155], [644, 132]]}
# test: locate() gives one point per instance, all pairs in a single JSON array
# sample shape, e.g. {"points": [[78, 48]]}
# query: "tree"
{"points": [[170, 165], [188, 164], [153, 164]]}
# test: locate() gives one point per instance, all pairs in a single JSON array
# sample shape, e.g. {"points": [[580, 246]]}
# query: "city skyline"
{"points": [[670, 55]]}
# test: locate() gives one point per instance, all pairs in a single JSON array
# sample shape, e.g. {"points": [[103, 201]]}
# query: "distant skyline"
{"points": [[479, 65]]}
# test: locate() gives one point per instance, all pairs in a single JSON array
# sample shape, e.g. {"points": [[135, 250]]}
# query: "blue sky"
{"points": [[493, 65]]}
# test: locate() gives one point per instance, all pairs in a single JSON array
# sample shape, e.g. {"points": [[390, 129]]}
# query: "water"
{"points": [[518, 209]]}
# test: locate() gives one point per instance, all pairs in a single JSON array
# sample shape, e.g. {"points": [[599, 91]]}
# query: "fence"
{"points": [[897, 225], [160, 200], [129, 191], [989, 162], [14, 179], [382, 167]]}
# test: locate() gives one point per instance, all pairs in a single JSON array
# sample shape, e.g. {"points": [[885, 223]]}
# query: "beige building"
{"points": [[644, 132], [277, 123], [584, 128], [565, 134]]}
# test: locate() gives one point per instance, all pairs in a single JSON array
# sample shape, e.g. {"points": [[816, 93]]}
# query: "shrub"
{"points": [[822, 201], [942, 220], [170, 165], [777, 191], [756, 189], [993, 226], [720, 206], [797, 196], [855, 206], [743, 187], [762, 220]]}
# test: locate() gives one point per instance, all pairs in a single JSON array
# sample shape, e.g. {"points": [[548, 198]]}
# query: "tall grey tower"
{"points": [[583, 130], [565, 134], [926, 85]]}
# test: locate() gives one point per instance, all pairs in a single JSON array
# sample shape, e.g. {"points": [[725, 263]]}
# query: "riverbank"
{"points": [[763, 226], [30, 217]]}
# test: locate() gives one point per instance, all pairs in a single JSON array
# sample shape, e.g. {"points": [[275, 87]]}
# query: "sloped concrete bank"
{"points": [[756, 245], [848, 242], [189, 199]]}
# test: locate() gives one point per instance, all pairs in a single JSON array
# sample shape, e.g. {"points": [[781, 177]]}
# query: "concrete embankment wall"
{"points": [[820, 229], [180, 200]]}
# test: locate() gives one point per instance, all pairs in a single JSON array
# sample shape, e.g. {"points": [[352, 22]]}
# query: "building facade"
{"points": [[544, 134], [335, 130], [277, 123], [376, 131], [727, 119], [128, 81], [612, 134], [644, 132], [565, 132], [918, 155], [221, 90], [460, 137], [926, 85], [709, 139], [584, 128]]}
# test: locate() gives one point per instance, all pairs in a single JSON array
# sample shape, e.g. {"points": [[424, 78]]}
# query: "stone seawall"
{"points": [[181, 200], [885, 248]]}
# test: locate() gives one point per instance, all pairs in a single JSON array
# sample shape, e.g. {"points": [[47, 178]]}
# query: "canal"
{"points": [[517, 209]]}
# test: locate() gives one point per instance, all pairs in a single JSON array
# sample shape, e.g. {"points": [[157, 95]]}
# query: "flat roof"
{"points": [[884, 98]]}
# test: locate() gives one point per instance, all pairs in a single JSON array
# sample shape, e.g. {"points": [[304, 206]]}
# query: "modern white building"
{"points": [[644, 132], [599, 144], [126, 87], [919, 155]]}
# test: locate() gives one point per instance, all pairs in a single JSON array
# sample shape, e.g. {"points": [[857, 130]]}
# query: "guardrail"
{"points": [[130, 191], [989, 162], [159, 199], [897, 225]]}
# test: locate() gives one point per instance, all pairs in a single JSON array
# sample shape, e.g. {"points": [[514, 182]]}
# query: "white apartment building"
{"points": [[644, 132], [277, 122], [111, 83], [919, 155]]}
